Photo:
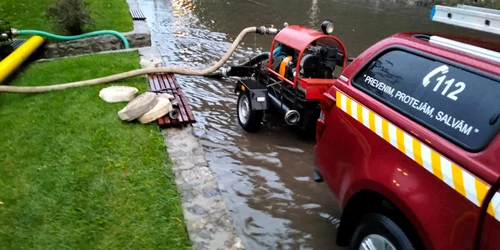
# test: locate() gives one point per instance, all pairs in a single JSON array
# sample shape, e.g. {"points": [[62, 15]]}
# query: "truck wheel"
{"points": [[249, 119], [377, 232]]}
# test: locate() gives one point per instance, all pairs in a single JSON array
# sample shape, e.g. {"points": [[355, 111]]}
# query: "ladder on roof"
{"points": [[482, 19]]}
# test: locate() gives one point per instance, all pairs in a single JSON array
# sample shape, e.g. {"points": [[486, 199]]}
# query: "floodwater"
{"points": [[267, 175]]}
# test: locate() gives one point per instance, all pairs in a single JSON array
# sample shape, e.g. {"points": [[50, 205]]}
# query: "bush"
{"points": [[70, 16]]}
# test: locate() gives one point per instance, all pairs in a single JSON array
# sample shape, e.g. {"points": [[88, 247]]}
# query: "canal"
{"points": [[267, 176]]}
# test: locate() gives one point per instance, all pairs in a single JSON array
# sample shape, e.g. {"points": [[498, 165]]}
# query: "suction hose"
{"points": [[70, 38], [137, 72], [227, 72]]}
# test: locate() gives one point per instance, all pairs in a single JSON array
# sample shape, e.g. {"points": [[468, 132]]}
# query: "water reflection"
{"points": [[181, 7], [314, 13]]}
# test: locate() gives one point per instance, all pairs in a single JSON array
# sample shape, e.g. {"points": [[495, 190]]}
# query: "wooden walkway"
{"points": [[167, 83]]}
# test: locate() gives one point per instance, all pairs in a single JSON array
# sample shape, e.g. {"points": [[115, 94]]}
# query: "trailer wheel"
{"points": [[249, 119]]}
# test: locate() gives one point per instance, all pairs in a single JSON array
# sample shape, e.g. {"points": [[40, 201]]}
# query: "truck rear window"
{"points": [[460, 105]]}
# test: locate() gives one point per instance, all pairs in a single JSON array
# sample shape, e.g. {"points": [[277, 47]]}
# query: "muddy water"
{"points": [[267, 175]]}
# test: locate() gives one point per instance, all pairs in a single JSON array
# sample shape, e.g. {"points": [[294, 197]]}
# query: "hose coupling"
{"points": [[14, 32], [225, 72], [292, 117], [265, 30], [174, 114]]}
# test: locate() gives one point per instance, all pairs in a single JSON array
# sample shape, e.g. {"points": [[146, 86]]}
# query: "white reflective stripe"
{"points": [[409, 146], [366, 122], [354, 110], [446, 171], [378, 125], [470, 187], [426, 157], [392, 135], [495, 202], [343, 103]]}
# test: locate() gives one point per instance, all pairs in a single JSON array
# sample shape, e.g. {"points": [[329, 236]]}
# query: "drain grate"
{"points": [[137, 14], [17, 43], [167, 83]]}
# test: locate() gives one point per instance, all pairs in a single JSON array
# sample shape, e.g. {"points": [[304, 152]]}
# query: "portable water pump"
{"points": [[288, 81]]}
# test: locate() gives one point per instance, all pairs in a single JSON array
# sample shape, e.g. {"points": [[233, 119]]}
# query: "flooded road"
{"points": [[267, 175]]}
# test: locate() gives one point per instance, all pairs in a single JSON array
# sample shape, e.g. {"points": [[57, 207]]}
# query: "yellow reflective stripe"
{"points": [[417, 151], [400, 140], [360, 113], [458, 180], [490, 209], [371, 119], [481, 190], [466, 184], [385, 131], [436, 164], [348, 106]]}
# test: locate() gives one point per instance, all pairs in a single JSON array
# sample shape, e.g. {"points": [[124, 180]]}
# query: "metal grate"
{"points": [[137, 14], [17, 43], [167, 83]]}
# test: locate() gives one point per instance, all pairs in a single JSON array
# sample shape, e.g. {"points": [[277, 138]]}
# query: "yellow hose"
{"points": [[16, 58], [137, 72]]}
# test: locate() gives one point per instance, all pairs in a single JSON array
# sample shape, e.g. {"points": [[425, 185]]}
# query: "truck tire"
{"points": [[376, 231], [250, 120]]}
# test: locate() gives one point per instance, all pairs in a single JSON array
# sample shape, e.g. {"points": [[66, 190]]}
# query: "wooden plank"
{"points": [[168, 85], [150, 81], [183, 118], [181, 112], [156, 82], [161, 121], [189, 112], [175, 83], [163, 85]]}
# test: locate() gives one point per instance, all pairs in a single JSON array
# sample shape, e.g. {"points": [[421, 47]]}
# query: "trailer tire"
{"points": [[250, 120]]}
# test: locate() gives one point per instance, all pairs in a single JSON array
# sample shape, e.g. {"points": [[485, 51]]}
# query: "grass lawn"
{"points": [[73, 176], [30, 14]]}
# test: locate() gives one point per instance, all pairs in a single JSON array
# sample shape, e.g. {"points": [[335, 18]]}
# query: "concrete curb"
{"points": [[205, 212], [138, 37]]}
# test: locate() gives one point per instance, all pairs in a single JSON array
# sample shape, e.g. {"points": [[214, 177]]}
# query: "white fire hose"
{"points": [[137, 72], [148, 106]]}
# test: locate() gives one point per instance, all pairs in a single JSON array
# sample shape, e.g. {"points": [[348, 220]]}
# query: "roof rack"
{"points": [[482, 19], [467, 48]]}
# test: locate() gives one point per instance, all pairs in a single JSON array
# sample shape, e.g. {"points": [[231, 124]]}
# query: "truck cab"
{"points": [[408, 142]]}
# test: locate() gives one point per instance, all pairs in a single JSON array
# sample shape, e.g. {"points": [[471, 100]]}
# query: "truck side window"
{"points": [[462, 106]]}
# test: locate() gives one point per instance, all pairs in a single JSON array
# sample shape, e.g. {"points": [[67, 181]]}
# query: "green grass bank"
{"points": [[27, 14], [73, 176]]}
